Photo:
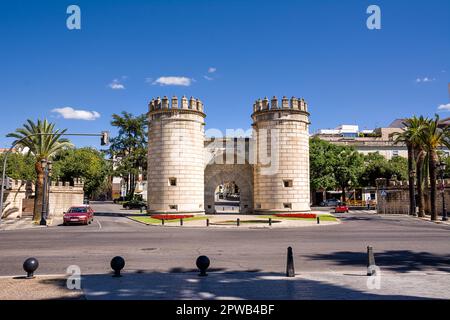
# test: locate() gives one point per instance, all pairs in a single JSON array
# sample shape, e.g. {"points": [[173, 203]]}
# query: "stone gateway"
{"points": [[186, 169]]}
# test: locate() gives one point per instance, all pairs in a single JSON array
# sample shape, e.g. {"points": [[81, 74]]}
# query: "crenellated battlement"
{"points": [[161, 104], [263, 105]]}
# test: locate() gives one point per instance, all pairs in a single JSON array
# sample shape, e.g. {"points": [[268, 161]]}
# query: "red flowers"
{"points": [[171, 216], [297, 215]]}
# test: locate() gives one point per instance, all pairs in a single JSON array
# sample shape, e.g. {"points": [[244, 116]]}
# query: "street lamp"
{"points": [[43, 221], [444, 212]]}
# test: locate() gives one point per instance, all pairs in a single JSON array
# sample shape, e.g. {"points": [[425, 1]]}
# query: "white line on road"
{"points": [[99, 224]]}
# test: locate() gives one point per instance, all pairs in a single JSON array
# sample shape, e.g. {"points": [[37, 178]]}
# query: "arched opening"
{"points": [[237, 188], [227, 198]]}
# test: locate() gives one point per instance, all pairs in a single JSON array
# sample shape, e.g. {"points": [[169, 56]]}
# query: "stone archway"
{"points": [[241, 174]]}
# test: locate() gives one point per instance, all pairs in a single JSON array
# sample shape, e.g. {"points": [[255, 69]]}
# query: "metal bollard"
{"points": [[370, 261], [162, 221], [207, 222], [238, 222], [181, 221], [202, 265], [117, 264], [270, 221], [290, 271], [30, 265], [318, 220]]}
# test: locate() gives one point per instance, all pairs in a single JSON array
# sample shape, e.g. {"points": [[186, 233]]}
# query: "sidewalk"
{"points": [[26, 223], [234, 286]]}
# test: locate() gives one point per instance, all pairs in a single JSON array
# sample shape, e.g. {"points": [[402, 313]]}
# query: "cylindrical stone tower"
{"points": [[281, 142], [176, 156]]}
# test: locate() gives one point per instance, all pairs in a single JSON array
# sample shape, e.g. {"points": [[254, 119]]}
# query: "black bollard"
{"points": [[207, 222], [181, 222], [162, 221], [318, 220], [202, 265], [270, 221], [370, 261], [30, 265], [290, 271], [238, 222], [117, 264]]}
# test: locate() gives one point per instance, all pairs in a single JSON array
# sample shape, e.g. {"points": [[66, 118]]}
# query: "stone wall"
{"points": [[18, 199], [396, 199]]}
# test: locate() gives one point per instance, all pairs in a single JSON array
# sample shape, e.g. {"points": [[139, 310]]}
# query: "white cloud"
{"points": [[116, 85], [425, 79], [174, 81], [71, 113], [444, 107], [212, 70], [208, 78]]}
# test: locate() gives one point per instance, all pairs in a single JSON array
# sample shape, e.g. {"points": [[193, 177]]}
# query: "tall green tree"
{"points": [[42, 147], [432, 137], [129, 148], [322, 156], [86, 163], [347, 169], [20, 166]]}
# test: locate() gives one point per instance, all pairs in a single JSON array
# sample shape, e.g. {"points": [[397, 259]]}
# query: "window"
{"points": [[287, 205], [172, 182], [287, 183], [173, 207], [258, 205]]}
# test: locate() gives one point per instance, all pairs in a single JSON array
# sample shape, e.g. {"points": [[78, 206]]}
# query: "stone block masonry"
{"points": [[62, 195], [271, 169]]}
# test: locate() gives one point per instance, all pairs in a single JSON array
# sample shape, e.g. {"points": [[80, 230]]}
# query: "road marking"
{"points": [[99, 224]]}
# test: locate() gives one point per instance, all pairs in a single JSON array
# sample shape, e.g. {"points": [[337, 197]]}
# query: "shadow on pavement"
{"points": [[229, 285], [393, 260]]}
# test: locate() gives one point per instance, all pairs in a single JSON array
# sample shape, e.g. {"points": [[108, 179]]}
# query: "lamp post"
{"points": [[44, 165], [444, 212]]}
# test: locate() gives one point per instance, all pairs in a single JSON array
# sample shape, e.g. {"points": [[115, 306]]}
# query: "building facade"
{"points": [[270, 169], [367, 141]]}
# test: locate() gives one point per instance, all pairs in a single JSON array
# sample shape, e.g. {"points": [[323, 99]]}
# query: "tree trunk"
{"points": [[412, 200], [419, 181], [432, 170], [39, 189], [343, 195]]}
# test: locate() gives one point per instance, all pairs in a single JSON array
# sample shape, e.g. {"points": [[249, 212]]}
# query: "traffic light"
{"points": [[105, 138]]}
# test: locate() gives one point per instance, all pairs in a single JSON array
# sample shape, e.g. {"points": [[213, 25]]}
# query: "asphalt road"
{"points": [[401, 244]]}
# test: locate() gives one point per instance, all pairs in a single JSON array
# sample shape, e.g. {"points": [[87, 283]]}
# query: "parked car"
{"points": [[135, 204], [330, 203], [78, 215], [342, 208]]}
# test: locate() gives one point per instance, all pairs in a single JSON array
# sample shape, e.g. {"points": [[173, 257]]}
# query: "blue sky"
{"points": [[319, 50]]}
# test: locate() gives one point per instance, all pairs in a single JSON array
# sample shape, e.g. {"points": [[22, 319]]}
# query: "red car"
{"points": [[341, 209], [79, 215]]}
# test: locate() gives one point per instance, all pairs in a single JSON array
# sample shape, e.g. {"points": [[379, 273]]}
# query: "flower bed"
{"points": [[297, 215], [171, 216]]}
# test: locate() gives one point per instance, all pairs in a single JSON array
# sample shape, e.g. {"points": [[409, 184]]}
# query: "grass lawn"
{"points": [[149, 220]]}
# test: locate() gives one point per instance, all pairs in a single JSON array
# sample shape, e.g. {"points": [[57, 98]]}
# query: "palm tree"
{"points": [[433, 137], [411, 137], [43, 141]]}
